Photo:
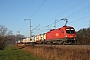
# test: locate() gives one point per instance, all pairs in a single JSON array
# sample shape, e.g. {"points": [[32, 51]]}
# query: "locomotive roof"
{"points": [[67, 27], [61, 27]]}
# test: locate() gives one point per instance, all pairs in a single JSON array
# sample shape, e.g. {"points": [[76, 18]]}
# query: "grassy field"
{"points": [[12, 53]]}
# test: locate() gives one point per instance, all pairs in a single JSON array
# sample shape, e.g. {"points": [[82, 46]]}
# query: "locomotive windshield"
{"points": [[70, 30]]}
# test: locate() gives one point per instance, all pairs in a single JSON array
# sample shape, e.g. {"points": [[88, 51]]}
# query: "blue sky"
{"points": [[13, 13]]}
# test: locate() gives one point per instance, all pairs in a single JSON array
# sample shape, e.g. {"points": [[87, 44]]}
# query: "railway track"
{"points": [[61, 46], [56, 46]]}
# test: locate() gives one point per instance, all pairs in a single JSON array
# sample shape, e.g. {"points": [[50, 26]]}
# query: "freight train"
{"points": [[63, 35]]}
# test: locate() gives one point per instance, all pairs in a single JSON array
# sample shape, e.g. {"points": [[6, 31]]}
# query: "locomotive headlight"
{"points": [[66, 35]]}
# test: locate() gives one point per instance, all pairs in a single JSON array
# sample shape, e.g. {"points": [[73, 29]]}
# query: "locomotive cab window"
{"points": [[70, 30]]}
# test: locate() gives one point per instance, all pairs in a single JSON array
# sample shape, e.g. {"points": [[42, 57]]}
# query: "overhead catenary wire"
{"points": [[83, 11], [80, 2], [75, 5], [80, 18], [43, 29], [37, 9], [58, 14], [80, 12], [33, 14]]}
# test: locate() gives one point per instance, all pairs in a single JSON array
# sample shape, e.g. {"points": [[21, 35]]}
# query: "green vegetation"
{"points": [[12, 53]]}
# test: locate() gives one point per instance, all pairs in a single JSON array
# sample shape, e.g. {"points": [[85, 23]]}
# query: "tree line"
{"points": [[83, 36], [7, 37]]}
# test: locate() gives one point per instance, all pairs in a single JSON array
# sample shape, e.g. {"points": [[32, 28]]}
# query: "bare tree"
{"points": [[3, 30], [83, 36], [4, 33]]}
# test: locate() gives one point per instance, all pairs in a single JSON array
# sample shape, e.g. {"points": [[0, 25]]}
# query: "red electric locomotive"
{"points": [[65, 34]]}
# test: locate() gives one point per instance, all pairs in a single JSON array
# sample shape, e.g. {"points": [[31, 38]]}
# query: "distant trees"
{"points": [[83, 36], [5, 36], [3, 33]]}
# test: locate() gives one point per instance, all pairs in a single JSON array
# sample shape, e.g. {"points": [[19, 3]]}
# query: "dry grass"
{"points": [[60, 53]]}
